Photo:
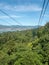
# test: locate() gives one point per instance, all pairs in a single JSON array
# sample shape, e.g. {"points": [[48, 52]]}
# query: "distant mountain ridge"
{"points": [[4, 28]]}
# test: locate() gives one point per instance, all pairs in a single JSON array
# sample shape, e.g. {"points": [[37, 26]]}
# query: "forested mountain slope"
{"points": [[29, 47]]}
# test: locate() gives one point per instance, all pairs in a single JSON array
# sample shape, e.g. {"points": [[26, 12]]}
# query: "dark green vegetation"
{"points": [[30, 47]]}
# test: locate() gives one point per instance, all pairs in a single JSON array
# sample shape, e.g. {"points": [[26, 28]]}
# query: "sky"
{"points": [[27, 12]]}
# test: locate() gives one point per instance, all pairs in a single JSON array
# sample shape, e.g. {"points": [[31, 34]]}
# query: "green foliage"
{"points": [[29, 47]]}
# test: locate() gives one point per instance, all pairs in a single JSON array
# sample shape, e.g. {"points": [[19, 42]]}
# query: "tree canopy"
{"points": [[29, 47]]}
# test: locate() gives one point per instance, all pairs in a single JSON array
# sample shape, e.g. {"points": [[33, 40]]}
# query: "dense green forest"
{"points": [[29, 47]]}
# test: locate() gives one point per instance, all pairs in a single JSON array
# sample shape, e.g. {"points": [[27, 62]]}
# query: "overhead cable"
{"points": [[10, 17], [42, 11]]}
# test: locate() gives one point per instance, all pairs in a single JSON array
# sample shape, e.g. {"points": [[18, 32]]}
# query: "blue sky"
{"points": [[26, 12]]}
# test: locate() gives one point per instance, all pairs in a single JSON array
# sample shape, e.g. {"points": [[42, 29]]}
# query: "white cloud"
{"points": [[14, 16], [46, 15], [33, 7], [27, 8]]}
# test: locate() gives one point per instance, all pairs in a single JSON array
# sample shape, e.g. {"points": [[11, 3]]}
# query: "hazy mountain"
{"points": [[4, 28]]}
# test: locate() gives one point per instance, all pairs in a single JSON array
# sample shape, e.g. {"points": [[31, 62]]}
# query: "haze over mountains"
{"points": [[4, 28]]}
